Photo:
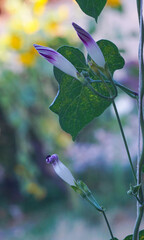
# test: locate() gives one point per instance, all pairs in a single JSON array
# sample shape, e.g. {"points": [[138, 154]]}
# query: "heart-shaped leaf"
{"points": [[92, 8], [76, 105]]}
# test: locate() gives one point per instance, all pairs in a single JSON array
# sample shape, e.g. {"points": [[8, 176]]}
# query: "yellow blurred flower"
{"points": [[63, 12], [4, 40], [36, 190], [114, 3], [28, 58], [15, 41], [31, 26], [15, 25], [39, 6], [53, 28]]}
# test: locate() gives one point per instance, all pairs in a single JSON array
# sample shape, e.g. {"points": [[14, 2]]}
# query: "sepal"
{"points": [[81, 188]]}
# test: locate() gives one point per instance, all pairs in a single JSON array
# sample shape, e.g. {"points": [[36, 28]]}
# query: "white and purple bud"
{"points": [[61, 170], [91, 46], [57, 60]]}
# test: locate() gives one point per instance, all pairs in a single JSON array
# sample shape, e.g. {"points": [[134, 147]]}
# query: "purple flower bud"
{"points": [[52, 159], [61, 170], [91, 46], [57, 60]]}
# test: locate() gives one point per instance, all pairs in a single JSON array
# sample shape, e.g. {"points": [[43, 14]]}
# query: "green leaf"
{"points": [[75, 56], [141, 236], [111, 54], [76, 105], [114, 239], [129, 237], [92, 8]]}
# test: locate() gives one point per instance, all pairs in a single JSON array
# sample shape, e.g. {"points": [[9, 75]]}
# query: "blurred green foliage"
{"points": [[28, 131]]}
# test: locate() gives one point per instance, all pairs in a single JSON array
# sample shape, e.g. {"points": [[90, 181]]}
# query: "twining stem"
{"points": [[140, 160], [124, 139], [138, 222], [119, 121]]}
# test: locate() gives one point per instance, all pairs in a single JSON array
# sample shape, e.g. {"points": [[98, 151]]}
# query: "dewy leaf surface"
{"points": [[92, 8]]}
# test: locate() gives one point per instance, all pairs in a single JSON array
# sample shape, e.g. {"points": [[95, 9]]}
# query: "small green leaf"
{"points": [[111, 54], [76, 105], [129, 237], [141, 236], [92, 8], [75, 56], [114, 239]]}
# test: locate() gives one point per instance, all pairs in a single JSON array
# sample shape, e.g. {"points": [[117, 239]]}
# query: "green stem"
{"points": [[121, 129], [104, 214], [124, 139], [108, 225], [120, 125], [140, 160], [138, 199], [127, 90], [138, 222]]}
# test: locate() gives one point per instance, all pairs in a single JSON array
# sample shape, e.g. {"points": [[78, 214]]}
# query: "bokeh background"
{"points": [[34, 202]]}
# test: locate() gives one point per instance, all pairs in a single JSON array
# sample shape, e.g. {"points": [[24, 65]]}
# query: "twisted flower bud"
{"points": [[61, 170], [91, 46], [57, 60]]}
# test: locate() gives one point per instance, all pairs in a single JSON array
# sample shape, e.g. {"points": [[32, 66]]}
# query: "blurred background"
{"points": [[34, 202]]}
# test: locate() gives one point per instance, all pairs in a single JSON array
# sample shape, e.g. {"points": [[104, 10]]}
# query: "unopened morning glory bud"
{"points": [[61, 170], [57, 60], [91, 46]]}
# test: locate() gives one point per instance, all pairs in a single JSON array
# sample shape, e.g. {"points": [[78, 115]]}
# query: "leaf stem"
{"points": [[124, 139], [127, 90]]}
